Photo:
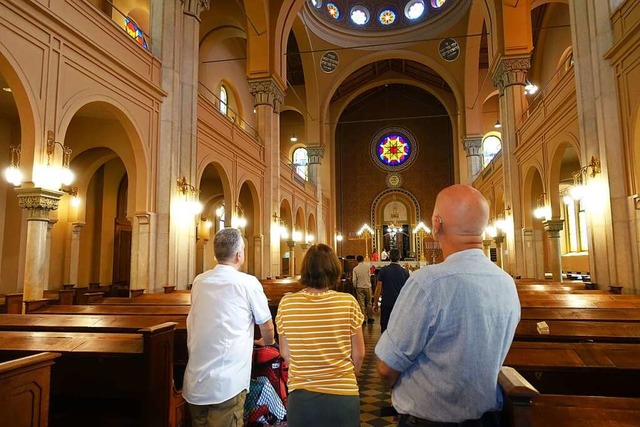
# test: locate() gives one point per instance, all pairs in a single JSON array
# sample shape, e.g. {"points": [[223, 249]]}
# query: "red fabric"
{"points": [[267, 362]]}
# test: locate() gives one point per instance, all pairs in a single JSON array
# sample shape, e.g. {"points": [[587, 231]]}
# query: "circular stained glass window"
{"points": [[387, 17], [333, 10], [414, 9], [437, 3], [316, 3], [393, 149], [359, 15]]}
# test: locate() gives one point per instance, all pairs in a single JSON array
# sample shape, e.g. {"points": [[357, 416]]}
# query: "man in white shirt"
{"points": [[225, 304], [361, 278]]}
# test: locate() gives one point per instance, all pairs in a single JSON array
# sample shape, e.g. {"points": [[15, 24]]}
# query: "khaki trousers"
{"points": [[364, 300], [226, 414]]}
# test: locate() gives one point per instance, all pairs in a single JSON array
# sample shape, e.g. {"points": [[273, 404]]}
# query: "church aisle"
{"points": [[373, 394]]}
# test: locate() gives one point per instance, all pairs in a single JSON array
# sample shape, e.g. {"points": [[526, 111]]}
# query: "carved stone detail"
{"points": [[553, 227], [511, 70], [195, 7], [266, 92], [38, 202], [473, 146]]}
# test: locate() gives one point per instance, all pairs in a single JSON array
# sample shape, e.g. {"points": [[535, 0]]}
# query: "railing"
{"points": [[550, 85], [233, 116], [130, 26]]}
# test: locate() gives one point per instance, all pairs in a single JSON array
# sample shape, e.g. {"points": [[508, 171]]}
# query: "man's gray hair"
{"points": [[226, 244]]}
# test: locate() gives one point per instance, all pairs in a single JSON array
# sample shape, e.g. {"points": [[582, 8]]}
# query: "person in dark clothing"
{"points": [[391, 279]]}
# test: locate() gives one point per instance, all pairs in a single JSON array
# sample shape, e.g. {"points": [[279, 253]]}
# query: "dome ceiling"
{"points": [[375, 15]]}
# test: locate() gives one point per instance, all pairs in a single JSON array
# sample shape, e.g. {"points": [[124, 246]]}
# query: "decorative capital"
{"points": [[553, 227], [266, 92], [510, 71], [487, 243], [473, 145], [38, 202], [315, 153], [195, 7]]}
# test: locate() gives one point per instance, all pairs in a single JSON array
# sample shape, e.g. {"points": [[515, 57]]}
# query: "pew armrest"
{"points": [[169, 289], [616, 289], [518, 397], [31, 306]]}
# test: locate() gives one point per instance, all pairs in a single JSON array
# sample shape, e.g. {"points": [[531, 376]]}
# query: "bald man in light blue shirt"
{"points": [[452, 325]]}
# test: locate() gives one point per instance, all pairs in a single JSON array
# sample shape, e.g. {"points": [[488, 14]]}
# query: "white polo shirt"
{"points": [[225, 304]]}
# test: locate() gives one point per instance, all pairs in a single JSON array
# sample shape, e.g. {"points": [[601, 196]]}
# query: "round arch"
{"points": [[28, 112], [529, 195], [208, 161], [557, 153], [134, 156]]}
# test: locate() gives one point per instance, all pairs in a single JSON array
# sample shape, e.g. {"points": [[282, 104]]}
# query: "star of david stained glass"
{"points": [[393, 149]]}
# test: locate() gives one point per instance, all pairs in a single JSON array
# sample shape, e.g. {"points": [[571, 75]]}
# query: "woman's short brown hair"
{"points": [[320, 267]]}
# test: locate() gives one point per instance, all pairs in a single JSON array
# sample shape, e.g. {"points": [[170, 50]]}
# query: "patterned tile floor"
{"points": [[373, 394]]}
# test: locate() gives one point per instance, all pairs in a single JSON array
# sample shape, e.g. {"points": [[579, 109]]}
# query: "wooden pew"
{"points": [[122, 379], [570, 330], [24, 390], [525, 407], [11, 303], [64, 296], [597, 369], [274, 289], [100, 324], [148, 299], [588, 314], [103, 309], [579, 301]]}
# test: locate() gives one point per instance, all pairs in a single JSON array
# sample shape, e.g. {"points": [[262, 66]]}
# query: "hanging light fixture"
{"points": [[293, 138], [498, 125]]}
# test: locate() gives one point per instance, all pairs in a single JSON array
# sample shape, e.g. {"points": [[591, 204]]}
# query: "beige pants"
{"points": [[225, 414], [364, 299]]}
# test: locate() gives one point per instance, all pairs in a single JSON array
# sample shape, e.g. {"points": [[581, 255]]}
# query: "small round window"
{"points": [[393, 149], [414, 9], [333, 10], [387, 17], [359, 15]]}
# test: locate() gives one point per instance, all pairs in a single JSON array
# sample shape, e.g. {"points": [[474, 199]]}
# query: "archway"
{"points": [[286, 229], [395, 214], [248, 213], [216, 215]]}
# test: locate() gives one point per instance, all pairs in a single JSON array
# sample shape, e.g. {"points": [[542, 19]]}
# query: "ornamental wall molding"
{"points": [[473, 146], [553, 227], [38, 202], [195, 7], [510, 71], [266, 92]]}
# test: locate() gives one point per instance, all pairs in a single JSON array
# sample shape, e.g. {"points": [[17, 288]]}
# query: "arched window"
{"points": [[491, 145], [301, 162], [224, 100]]}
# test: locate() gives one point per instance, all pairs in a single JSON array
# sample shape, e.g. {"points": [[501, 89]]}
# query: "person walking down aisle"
{"points": [[391, 279], [320, 336], [361, 277], [225, 304], [452, 325]]}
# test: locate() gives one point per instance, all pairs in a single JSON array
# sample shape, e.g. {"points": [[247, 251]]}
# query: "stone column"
{"points": [[73, 252], [269, 96], [473, 147], [606, 204], [486, 243], [143, 266], [533, 253], [47, 257], [499, 239], [553, 228], [509, 77], [38, 202]]}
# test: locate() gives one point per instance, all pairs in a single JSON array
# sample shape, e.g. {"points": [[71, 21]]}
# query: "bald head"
{"points": [[461, 213]]}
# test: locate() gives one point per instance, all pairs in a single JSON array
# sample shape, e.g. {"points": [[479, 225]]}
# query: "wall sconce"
{"points": [[530, 88], [66, 176], [220, 211], [491, 231], [13, 174], [339, 237], [190, 197], [73, 192], [541, 211], [239, 220], [578, 190], [281, 226]]}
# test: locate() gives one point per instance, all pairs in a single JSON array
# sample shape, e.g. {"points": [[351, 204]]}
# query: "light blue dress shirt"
{"points": [[448, 335]]}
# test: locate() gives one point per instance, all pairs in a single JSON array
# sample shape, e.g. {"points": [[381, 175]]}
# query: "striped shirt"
{"points": [[318, 328]]}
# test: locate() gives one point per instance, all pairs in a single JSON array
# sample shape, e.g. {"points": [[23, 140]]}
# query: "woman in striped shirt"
{"points": [[320, 333]]}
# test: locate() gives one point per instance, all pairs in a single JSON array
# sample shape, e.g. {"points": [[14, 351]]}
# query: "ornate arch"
{"points": [[382, 197]]}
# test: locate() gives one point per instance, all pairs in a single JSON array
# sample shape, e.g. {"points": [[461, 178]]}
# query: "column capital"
{"points": [[510, 70], [499, 239], [473, 145], [267, 92], [553, 227], [38, 202], [195, 7]]}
